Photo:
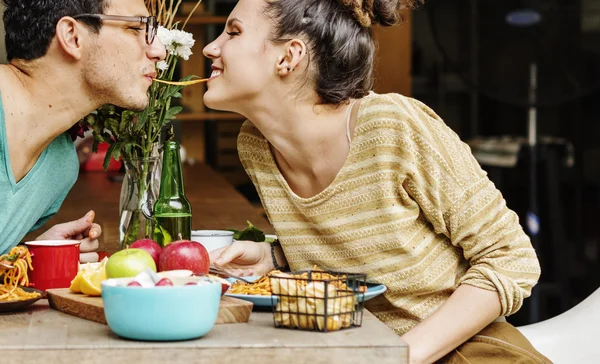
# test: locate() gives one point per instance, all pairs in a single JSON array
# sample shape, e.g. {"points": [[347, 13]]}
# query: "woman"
{"points": [[361, 182]]}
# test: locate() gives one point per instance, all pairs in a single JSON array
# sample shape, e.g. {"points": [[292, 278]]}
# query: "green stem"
{"points": [[167, 105]]}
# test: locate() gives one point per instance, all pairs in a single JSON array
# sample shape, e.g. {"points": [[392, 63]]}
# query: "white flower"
{"points": [[177, 42], [162, 65]]}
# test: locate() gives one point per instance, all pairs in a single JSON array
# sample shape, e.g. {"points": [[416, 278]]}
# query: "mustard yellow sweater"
{"points": [[411, 208]]}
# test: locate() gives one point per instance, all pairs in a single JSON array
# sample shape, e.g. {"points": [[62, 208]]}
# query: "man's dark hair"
{"points": [[30, 25]]}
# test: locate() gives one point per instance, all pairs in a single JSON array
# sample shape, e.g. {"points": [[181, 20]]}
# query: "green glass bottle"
{"points": [[172, 210]]}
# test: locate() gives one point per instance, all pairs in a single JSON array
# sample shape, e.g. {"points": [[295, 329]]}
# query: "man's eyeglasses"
{"points": [[150, 21]]}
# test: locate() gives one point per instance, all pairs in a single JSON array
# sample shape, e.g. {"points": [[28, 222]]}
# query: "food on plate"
{"points": [[184, 254], [261, 287], [20, 260], [149, 245], [129, 263]]}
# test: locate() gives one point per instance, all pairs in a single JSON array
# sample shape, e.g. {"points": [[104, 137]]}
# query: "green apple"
{"points": [[128, 263]]}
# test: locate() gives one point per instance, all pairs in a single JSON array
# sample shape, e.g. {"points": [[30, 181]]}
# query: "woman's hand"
{"points": [[244, 258], [84, 230]]}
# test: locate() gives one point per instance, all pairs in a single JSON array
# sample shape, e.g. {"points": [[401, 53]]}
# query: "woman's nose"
{"points": [[212, 50]]}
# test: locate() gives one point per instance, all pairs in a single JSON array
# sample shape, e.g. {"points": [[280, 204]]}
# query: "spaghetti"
{"points": [[20, 260]]}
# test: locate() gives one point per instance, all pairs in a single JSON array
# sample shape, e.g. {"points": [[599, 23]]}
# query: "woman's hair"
{"points": [[30, 25], [339, 37]]}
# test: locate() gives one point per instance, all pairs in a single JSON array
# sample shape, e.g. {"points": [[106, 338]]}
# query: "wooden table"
{"points": [[44, 335], [215, 204]]}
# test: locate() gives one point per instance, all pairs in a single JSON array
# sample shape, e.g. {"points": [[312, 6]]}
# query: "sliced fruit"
{"points": [[164, 282], [91, 282], [93, 266], [76, 284]]}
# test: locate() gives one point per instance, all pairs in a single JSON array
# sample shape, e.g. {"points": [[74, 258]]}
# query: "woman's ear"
{"points": [[69, 37], [294, 54]]}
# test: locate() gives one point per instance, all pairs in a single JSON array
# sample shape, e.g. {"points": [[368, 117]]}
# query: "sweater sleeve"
{"points": [[460, 201]]}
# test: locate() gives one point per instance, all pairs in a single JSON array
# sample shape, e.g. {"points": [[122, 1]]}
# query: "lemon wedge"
{"points": [[90, 282], [76, 284]]}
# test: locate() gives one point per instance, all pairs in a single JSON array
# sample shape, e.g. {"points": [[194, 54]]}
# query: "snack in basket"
{"points": [[20, 260], [314, 300]]}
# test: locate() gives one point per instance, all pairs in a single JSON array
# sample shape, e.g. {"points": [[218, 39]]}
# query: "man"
{"points": [[66, 58]]}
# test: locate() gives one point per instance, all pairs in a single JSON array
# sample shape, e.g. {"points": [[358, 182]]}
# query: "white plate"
{"points": [[373, 290]]}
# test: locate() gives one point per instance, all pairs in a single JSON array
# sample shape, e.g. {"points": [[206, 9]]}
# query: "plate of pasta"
{"points": [[14, 293], [260, 291]]}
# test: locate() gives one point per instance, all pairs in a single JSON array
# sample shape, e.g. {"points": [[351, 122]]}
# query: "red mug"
{"points": [[55, 263]]}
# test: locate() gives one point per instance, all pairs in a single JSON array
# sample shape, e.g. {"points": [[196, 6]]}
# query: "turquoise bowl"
{"points": [[160, 313]]}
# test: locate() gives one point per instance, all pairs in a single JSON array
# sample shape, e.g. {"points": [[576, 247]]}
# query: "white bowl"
{"points": [[213, 239]]}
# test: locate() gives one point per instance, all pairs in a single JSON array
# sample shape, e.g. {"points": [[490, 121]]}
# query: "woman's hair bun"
{"points": [[384, 12]]}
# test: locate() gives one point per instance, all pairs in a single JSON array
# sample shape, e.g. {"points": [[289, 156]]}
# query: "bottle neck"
{"points": [[171, 184]]}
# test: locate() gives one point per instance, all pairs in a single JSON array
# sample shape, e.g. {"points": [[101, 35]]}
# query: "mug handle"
{"points": [[30, 284]]}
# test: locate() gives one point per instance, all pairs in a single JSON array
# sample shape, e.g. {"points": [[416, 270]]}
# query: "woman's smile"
{"points": [[216, 72]]}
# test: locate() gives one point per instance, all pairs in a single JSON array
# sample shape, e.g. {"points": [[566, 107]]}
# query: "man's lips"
{"points": [[150, 76]]}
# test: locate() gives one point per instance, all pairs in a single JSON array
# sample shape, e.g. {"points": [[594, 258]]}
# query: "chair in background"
{"points": [[571, 337]]}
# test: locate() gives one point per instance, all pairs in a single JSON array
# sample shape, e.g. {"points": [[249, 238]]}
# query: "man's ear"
{"points": [[69, 35], [294, 52]]}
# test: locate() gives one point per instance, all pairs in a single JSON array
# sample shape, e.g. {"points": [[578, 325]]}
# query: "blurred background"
{"points": [[519, 81]]}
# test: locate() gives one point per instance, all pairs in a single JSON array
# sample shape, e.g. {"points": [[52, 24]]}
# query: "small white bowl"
{"points": [[213, 239]]}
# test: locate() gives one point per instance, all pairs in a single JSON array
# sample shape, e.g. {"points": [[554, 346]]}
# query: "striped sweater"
{"points": [[410, 207]]}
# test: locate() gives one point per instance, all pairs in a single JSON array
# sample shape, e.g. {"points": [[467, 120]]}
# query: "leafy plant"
{"points": [[251, 233], [134, 135]]}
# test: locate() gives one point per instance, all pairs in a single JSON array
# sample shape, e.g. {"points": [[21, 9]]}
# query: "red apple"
{"points": [[184, 254], [150, 246], [134, 284], [164, 282], [224, 285]]}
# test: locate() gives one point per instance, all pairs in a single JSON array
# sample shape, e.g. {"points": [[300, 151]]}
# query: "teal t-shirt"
{"points": [[28, 204]]}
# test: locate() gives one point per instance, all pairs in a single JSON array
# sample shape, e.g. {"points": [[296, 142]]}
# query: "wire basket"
{"points": [[317, 300]]}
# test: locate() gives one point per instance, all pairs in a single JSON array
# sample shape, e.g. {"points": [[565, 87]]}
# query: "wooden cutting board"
{"points": [[231, 310]]}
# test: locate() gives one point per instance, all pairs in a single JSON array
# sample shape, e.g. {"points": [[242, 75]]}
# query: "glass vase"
{"points": [[139, 192]]}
